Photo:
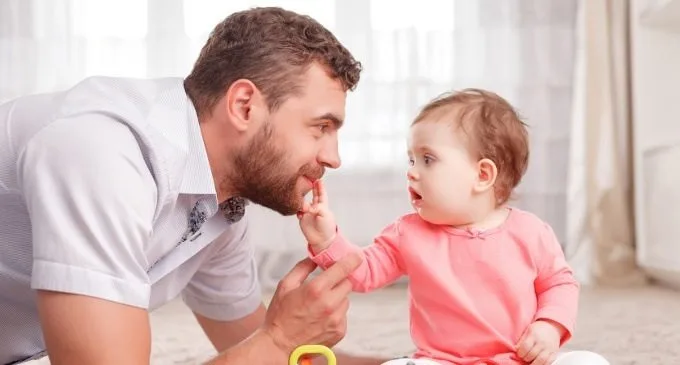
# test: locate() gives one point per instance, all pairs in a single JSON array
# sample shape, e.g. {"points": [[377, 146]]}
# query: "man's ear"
{"points": [[487, 172], [244, 104]]}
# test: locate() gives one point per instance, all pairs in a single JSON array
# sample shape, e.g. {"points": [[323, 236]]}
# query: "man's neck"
{"points": [[219, 154]]}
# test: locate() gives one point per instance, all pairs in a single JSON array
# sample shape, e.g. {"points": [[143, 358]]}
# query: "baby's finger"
{"points": [[315, 193], [321, 191], [525, 346], [305, 207], [533, 353], [522, 339], [552, 358], [543, 358]]}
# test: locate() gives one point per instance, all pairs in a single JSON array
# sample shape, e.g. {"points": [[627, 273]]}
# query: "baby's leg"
{"points": [[406, 361], [580, 358]]}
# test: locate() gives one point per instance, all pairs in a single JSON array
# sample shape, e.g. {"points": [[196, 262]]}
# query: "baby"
{"points": [[488, 283]]}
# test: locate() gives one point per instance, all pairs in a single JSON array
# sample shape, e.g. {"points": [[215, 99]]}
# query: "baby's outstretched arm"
{"points": [[381, 261]]}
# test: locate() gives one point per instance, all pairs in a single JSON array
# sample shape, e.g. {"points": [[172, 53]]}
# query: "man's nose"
{"points": [[329, 156]]}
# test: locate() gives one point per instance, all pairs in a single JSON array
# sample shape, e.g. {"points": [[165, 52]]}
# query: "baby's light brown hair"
{"points": [[494, 131]]}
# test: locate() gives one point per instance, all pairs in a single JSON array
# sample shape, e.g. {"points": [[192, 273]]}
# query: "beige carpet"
{"points": [[632, 326]]}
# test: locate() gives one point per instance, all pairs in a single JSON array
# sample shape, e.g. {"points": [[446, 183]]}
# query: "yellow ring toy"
{"points": [[299, 352]]}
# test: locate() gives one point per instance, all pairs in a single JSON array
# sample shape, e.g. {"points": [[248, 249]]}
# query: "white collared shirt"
{"points": [[96, 186]]}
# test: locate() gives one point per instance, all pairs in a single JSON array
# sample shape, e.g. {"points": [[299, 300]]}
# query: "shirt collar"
{"points": [[197, 178]]}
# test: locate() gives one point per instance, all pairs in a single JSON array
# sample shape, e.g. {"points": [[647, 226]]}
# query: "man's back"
{"points": [[99, 170], [19, 326]]}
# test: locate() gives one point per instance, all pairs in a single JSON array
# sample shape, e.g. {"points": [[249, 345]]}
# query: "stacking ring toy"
{"points": [[297, 357]]}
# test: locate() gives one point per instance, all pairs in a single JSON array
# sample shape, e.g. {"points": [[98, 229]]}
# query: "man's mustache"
{"points": [[313, 172]]}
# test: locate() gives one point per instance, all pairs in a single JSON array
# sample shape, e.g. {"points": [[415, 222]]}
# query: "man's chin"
{"points": [[289, 210], [285, 207]]}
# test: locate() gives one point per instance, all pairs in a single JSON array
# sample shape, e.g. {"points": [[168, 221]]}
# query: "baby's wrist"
{"points": [[559, 328], [321, 245]]}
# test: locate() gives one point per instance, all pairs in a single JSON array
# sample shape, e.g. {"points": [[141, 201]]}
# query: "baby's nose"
{"points": [[411, 174]]}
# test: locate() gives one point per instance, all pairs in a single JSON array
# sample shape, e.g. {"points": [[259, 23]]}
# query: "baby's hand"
{"points": [[539, 343], [316, 220]]}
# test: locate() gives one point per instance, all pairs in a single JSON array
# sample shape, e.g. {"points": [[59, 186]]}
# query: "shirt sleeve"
{"points": [[556, 288], [226, 287], [91, 200], [381, 261]]}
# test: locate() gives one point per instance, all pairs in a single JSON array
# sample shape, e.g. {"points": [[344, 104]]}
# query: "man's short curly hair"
{"points": [[271, 47]]}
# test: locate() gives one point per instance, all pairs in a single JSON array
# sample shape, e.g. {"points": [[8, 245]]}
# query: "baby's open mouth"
{"points": [[414, 194]]}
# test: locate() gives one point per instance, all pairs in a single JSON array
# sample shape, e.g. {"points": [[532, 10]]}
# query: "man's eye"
{"points": [[323, 127]]}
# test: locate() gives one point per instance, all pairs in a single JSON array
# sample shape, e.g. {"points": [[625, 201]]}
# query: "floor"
{"points": [[628, 326]]}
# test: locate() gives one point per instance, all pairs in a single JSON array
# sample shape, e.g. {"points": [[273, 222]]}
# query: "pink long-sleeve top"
{"points": [[471, 294]]}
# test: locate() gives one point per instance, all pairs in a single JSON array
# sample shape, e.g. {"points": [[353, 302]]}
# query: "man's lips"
{"points": [[308, 184], [313, 177], [310, 180]]}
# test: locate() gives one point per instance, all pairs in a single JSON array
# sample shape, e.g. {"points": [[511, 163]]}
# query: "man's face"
{"points": [[292, 148]]}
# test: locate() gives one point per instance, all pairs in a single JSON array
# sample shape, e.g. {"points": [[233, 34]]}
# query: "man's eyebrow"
{"points": [[337, 121]]}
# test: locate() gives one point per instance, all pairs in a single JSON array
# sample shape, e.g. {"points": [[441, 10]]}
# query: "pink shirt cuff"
{"points": [[338, 248], [555, 314]]}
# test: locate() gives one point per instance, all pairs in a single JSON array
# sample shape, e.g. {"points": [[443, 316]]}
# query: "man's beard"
{"points": [[262, 176]]}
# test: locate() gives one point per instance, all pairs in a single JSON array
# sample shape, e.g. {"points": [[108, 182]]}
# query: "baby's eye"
{"points": [[427, 160], [411, 162]]}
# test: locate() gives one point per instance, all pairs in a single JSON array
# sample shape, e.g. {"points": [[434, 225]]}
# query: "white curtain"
{"points": [[601, 226], [411, 51]]}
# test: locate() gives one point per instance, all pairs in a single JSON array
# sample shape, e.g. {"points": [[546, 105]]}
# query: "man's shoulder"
{"points": [[149, 115], [157, 111], [127, 98], [124, 100]]}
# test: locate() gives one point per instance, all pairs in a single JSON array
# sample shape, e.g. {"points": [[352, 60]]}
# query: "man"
{"points": [[118, 195]]}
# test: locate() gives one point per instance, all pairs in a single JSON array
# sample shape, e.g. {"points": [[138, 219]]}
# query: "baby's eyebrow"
{"points": [[424, 148]]}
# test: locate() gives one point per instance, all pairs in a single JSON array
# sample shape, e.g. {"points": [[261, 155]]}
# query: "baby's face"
{"points": [[442, 175]]}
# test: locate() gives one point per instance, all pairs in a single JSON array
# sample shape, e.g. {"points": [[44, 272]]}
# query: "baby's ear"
{"points": [[487, 172]]}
